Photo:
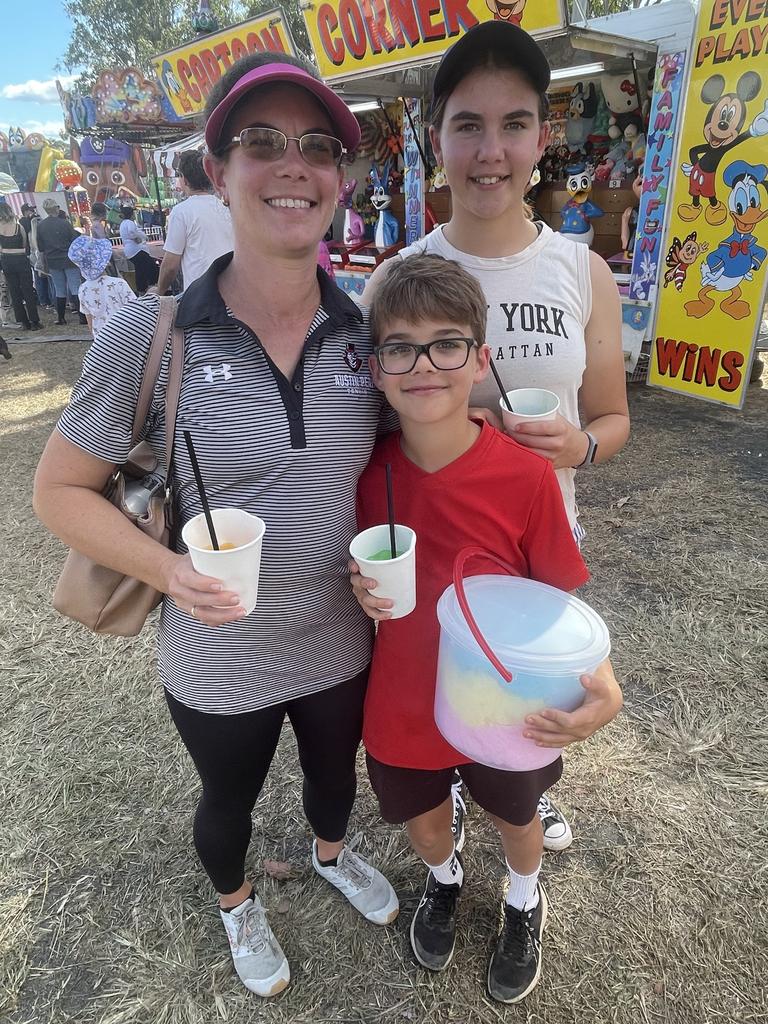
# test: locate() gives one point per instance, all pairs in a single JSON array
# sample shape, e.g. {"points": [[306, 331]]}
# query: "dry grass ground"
{"points": [[659, 907]]}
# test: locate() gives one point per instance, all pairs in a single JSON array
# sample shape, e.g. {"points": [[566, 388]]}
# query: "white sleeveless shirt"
{"points": [[539, 303]]}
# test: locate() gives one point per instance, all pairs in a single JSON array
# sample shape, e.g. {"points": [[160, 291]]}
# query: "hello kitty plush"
{"points": [[354, 228], [387, 228], [620, 94]]}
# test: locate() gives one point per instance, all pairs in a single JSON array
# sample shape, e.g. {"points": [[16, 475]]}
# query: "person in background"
{"points": [[29, 220], [55, 234], [199, 228], [99, 221], [100, 295], [135, 245], [14, 260]]}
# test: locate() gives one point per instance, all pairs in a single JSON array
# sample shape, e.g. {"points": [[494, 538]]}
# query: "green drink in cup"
{"points": [[396, 577]]}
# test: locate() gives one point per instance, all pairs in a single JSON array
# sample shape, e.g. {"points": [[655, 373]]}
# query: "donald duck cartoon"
{"points": [[738, 255]]}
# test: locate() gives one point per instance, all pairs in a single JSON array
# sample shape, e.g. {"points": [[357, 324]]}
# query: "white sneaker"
{"points": [[258, 958], [557, 831], [366, 888]]}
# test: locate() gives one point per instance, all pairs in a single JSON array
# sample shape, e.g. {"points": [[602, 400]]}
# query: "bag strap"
{"points": [[165, 322], [172, 393]]}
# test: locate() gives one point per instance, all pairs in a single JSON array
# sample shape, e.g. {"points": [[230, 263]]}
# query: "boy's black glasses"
{"points": [[269, 144], [444, 354]]}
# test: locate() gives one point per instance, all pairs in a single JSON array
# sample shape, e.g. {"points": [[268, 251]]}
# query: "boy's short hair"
{"points": [[427, 287]]}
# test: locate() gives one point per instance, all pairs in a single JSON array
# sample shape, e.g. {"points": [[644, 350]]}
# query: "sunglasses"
{"points": [[444, 354], [269, 144]]}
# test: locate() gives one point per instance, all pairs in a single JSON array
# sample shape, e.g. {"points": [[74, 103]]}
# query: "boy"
{"points": [[457, 483]]}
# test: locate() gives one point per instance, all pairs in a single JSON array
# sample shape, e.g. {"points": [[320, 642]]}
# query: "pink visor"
{"points": [[344, 121]]}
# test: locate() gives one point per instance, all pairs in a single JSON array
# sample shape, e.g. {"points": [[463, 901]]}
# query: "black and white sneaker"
{"points": [[516, 961], [433, 928], [557, 831], [459, 812]]}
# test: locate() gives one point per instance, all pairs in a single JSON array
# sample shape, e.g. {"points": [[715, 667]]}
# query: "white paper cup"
{"points": [[529, 404], [396, 577], [238, 569]]}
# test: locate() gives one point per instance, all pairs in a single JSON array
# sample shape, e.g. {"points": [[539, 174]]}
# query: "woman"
{"points": [[134, 244], [554, 318], [14, 262], [99, 221], [284, 417]]}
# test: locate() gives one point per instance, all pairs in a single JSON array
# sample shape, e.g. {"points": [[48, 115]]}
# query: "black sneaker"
{"points": [[4, 350], [516, 962], [554, 825], [433, 928], [459, 813]]}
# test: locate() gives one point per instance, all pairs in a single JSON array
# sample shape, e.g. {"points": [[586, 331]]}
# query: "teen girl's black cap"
{"points": [[511, 43]]}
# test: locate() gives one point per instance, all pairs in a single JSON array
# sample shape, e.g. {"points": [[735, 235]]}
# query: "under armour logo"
{"points": [[223, 371]]}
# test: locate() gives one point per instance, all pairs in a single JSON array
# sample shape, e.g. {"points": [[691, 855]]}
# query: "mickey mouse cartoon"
{"points": [[722, 131]]}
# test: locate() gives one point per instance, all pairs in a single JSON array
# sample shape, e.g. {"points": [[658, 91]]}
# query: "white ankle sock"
{"points": [[450, 872], [523, 893]]}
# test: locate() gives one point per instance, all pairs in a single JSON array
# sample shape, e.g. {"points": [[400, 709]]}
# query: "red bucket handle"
{"points": [[458, 582]]}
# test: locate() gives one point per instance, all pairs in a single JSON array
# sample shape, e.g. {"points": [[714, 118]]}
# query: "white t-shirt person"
{"points": [[199, 230], [132, 237], [100, 298]]}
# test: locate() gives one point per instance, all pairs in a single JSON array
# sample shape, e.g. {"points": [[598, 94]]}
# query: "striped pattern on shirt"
{"points": [[288, 451]]}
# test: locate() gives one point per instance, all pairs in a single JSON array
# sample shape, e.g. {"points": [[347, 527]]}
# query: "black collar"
{"points": [[202, 301]]}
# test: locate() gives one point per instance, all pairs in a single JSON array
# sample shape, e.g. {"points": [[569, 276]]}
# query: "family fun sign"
{"points": [[353, 37], [709, 308], [663, 128]]}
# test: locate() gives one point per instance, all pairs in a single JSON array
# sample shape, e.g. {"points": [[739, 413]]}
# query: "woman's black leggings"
{"points": [[18, 274], [232, 754]]}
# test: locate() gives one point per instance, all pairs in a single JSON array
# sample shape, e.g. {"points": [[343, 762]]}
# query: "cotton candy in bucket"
{"points": [[540, 638]]}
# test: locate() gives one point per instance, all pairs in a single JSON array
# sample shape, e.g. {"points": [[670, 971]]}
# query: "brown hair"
{"points": [[427, 287]]}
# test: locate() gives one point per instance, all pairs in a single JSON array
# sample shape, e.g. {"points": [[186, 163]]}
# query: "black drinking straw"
{"points": [[391, 511], [201, 489], [501, 387]]}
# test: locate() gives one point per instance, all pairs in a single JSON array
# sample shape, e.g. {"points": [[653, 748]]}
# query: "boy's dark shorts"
{"points": [[405, 793]]}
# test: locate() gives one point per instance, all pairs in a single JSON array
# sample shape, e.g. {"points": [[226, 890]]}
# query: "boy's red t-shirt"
{"points": [[498, 496]]}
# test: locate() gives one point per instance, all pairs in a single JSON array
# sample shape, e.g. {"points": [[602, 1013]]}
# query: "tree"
{"points": [[124, 33]]}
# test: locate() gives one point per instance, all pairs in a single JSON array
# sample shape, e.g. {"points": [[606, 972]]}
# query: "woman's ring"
{"points": [[192, 610]]}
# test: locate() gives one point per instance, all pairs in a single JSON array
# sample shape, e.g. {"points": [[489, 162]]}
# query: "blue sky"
{"points": [[36, 33]]}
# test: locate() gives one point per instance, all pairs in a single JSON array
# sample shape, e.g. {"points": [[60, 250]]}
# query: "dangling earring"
{"points": [[534, 179]]}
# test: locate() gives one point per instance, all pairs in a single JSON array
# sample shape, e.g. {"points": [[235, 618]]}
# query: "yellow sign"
{"points": [[188, 73], [350, 37], [711, 300]]}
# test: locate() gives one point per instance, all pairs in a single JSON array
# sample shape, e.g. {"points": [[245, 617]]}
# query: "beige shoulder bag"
{"points": [[102, 599]]}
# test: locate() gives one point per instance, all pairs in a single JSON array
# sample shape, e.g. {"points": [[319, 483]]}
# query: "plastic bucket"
{"points": [[509, 647]]}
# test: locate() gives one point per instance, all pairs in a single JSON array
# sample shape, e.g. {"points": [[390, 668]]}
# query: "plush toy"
{"points": [[615, 163], [579, 209], [387, 228], [354, 228], [582, 109], [621, 97], [636, 142]]}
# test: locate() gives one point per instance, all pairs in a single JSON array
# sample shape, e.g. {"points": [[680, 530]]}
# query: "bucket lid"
{"points": [[528, 625]]}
